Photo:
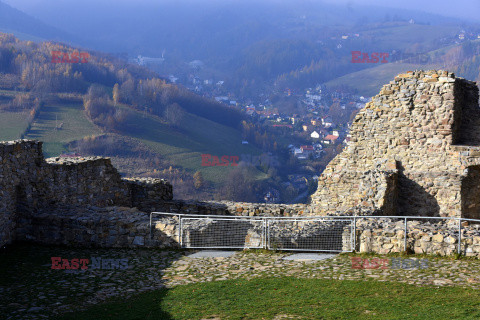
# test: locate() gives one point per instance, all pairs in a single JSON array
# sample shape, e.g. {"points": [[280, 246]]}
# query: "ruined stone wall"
{"points": [[415, 150], [384, 236], [122, 227], [28, 183], [233, 208], [412, 129]]}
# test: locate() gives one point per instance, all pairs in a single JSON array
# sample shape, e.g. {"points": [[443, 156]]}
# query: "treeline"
{"points": [[258, 135], [101, 111], [27, 66], [157, 96], [267, 59], [467, 58]]}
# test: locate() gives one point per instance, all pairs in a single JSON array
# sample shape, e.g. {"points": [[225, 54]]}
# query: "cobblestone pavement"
{"points": [[31, 289]]}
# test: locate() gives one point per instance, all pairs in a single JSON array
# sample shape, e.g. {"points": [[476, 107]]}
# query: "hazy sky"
{"points": [[467, 9]]}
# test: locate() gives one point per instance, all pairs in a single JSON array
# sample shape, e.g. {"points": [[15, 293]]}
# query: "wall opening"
{"points": [[466, 125], [471, 193]]}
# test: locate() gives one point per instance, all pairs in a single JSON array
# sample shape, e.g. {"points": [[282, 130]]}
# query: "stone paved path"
{"points": [[30, 289]]}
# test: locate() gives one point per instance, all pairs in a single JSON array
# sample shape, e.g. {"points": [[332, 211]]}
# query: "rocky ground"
{"points": [[31, 289]]}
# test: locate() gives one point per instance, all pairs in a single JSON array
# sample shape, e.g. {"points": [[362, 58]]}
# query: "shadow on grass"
{"points": [[30, 288], [148, 307]]}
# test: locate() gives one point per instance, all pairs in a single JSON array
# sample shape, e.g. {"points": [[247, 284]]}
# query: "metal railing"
{"points": [[302, 233]]}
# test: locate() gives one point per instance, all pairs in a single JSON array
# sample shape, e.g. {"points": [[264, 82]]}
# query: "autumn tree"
{"points": [[116, 93], [174, 114], [198, 180]]}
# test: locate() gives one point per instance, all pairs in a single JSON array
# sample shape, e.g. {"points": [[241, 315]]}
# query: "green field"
{"points": [[12, 124], [75, 126], [398, 37], [185, 145], [181, 146], [369, 81], [293, 298]]}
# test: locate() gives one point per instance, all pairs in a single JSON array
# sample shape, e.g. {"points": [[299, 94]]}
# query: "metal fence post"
{"points": [[180, 236], [151, 233], [354, 233], [267, 231], [459, 250], [405, 244], [264, 233]]}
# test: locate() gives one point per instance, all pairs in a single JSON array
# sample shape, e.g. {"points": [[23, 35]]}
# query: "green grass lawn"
{"points": [[75, 126], [266, 298], [12, 124]]}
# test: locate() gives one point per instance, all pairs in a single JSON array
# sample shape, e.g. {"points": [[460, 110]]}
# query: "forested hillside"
{"points": [[90, 103]]}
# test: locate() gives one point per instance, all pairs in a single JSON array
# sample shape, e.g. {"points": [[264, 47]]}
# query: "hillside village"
{"points": [[316, 127]]}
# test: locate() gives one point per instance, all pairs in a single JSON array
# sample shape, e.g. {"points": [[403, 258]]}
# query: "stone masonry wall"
{"points": [[415, 150], [421, 128], [122, 227], [28, 183]]}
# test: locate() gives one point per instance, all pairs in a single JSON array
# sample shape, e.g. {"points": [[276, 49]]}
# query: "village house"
{"points": [[327, 122], [330, 139]]}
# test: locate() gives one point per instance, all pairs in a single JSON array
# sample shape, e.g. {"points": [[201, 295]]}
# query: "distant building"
{"points": [[307, 149], [330, 139], [222, 98], [146, 60], [327, 121], [314, 135], [314, 96]]}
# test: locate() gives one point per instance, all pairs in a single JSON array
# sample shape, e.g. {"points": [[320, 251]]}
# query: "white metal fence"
{"points": [[326, 233], [237, 232]]}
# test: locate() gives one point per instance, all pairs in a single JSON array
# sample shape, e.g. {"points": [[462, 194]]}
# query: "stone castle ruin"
{"points": [[414, 151]]}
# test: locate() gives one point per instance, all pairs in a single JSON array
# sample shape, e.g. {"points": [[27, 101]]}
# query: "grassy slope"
{"points": [[75, 126], [406, 35], [368, 82], [12, 124], [268, 298], [185, 145]]}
